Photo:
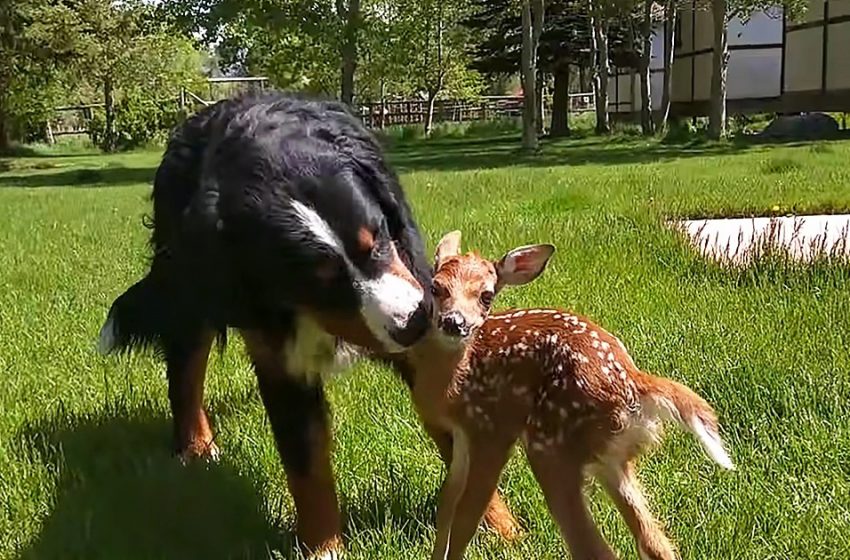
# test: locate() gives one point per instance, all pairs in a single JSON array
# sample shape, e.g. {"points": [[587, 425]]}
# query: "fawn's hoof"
{"points": [[501, 521]]}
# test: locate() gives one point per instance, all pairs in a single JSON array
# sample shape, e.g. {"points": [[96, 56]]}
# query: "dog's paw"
{"points": [[200, 451], [330, 551]]}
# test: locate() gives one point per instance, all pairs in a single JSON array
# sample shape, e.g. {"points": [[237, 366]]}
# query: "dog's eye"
{"points": [[486, 298]]}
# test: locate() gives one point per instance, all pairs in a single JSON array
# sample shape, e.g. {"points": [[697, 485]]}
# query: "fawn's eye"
{"points": [[486, 298], [437, 290]]}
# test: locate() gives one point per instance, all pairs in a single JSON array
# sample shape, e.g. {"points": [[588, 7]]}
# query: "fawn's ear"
{"points": [[523, 264], [449, 246]]}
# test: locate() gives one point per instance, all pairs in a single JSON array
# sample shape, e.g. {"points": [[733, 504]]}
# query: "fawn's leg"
{"points": [[497, 515], [561, 480], [450, 494], [186, 368], [621, 483], [487, 458]]}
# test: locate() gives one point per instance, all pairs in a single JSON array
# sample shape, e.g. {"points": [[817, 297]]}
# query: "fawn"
{"points": [[552, 379]]}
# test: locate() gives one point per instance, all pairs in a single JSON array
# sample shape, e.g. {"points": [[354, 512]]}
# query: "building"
{"points": [[775, 64]]}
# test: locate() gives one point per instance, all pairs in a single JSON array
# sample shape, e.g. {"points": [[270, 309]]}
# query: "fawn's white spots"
{"points": [[611, 356], [595, 343], [594, 334], [606, 370], [576, 405], [601, 355], [605, 346], [623, 375]]}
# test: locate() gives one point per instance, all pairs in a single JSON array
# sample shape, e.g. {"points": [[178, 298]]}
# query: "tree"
{"points": [[349, 16], [438, 45], [601, 67], [670, 15], [719, 66], [723, 11], [646, 122], [532, 25], [34, 47]]}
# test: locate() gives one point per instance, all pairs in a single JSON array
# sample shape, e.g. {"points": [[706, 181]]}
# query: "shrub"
{"points": [[138, 121]]}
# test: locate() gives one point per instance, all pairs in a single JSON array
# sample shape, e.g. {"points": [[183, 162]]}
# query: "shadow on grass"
{"points": [[83, 178], [120, 494], [579, 149], [503, 151]]}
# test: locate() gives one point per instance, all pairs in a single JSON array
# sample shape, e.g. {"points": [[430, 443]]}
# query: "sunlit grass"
{"points": [[84, 440]]}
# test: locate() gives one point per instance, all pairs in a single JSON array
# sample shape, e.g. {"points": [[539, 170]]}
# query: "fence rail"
{"points": [[74, 119], [414, 111]]}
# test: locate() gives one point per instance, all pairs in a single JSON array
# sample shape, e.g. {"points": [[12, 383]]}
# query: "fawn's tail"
{"points": [[680, 404]]}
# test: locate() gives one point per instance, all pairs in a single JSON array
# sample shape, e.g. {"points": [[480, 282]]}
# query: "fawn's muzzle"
{"points": [[454, 324]]}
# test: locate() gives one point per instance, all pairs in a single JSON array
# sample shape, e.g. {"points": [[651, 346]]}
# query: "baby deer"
{"points": [[552, 379]]}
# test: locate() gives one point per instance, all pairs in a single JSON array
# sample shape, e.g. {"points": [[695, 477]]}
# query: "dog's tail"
{"points": [[138, 318], [680, 404]]}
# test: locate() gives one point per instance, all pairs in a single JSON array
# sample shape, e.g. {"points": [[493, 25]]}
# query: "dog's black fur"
{"points": [[236, 203], [224, 250]]}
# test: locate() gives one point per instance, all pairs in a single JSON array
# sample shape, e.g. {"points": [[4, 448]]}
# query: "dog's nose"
{"points": [[415, 329], [454, 324]]}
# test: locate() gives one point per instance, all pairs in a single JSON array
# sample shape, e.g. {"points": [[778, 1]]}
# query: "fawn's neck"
{"points": [[438, 370]]}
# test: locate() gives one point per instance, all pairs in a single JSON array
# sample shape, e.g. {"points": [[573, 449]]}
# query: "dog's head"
{"points": [[346, 249]]}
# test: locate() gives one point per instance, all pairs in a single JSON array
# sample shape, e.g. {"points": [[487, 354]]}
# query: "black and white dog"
{"points": [[279, 217]]}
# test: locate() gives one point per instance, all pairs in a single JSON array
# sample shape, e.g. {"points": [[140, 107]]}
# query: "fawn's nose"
{"points": [[454, 324]]}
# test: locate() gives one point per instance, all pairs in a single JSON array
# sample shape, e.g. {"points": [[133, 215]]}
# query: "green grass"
{"points": [[84, 465]]}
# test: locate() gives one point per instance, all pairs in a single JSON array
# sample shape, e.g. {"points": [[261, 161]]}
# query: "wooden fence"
{"points": [[414, 111], [75, 119]]}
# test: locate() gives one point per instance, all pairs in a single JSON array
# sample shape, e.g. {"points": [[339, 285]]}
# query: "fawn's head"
{"points": [[464, 285]]}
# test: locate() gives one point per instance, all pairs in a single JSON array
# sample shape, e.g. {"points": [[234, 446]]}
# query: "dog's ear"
{"points": [[522, 265], [449, 246]]}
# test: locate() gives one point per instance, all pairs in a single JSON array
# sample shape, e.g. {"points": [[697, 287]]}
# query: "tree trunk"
{"points": [[348, 50], [720, 60], [601, 68], [669, 47], [429, 114], [5, 134], [647, 125], [561, 102], [540, 120], [109, 140], [529, 71], [383, 107]]}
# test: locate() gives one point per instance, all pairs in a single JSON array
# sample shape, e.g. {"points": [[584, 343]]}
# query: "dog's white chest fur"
{"points": [[313, 354]]}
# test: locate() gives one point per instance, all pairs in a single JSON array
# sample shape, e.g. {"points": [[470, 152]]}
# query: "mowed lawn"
{"points": [[85, 470]]}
